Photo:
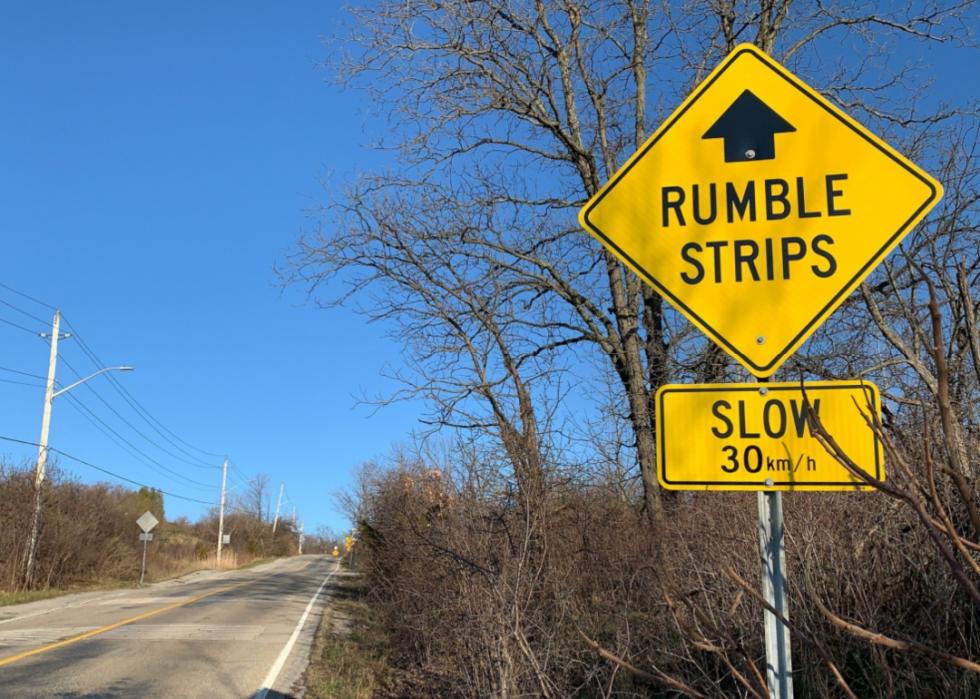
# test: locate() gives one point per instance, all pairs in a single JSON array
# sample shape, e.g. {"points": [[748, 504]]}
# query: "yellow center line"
{"points": [[103, 629]]}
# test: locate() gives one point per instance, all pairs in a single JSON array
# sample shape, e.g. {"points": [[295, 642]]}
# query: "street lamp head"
{"points": [[90, 376]]}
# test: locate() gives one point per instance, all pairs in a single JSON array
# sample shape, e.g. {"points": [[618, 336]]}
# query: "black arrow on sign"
{"points": [[749, 126]]}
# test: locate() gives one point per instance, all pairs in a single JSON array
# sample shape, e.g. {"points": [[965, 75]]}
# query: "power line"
{"points": [[94, 419], [20, 310], [107, 471], [22, 383], [132, 426], [152, 421], [146, 458], [233, 487], [239, 475], [240, 478], [19, 327], [29, 298], [79, 405], [23, 373]]}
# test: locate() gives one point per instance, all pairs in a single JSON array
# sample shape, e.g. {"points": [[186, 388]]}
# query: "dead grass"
{"points": [[254, 562], [162, 567], [348, 660], [161, 570], [25, 596], [7, 598]]}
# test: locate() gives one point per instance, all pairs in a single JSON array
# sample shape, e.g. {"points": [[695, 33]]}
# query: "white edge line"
{"points": [[270, 679]]}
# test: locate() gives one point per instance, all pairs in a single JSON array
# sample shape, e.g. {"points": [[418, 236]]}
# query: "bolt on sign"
{"points": [[757, 436], [758, 207]]}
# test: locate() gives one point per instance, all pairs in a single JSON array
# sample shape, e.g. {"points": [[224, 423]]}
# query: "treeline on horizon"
{"points": [[524, 547], [89, 534]]}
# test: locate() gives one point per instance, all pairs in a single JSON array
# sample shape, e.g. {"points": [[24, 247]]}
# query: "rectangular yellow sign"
{"points": [[756, 436]]}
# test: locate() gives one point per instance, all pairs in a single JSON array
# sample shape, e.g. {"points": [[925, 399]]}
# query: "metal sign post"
{"points": [[146, 522], [772, 550], [772, 554], [145, 538]]}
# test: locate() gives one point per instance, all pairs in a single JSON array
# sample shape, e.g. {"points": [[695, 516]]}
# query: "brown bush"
{"points": [[480, 600], [89, 534]]}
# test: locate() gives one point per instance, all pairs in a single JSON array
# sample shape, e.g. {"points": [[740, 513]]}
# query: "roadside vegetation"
{"points": [[89, 537], [22, 596], [522, 545], [348, 659]]}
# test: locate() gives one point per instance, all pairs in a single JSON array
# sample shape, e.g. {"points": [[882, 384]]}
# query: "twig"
{"points": [[659, 678], [966, 298], [952, 439], [709, 647], [821, 651], [947, 523], [818, 430], [881, 639]]}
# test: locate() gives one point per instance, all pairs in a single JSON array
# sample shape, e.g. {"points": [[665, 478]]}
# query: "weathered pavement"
{"points": [[204, 635]]}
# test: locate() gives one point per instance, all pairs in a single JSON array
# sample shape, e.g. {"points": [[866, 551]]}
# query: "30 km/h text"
{"points": [[752, 460]]}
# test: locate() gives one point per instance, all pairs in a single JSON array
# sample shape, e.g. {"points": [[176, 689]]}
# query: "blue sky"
{"points": [[158, 159]]}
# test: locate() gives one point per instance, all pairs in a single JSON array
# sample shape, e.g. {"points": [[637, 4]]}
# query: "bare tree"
{"points": [[516, 112], [505, 117], [254, 501]]}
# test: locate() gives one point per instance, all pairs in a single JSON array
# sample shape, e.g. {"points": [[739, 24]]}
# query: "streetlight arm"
{"points": [[90, 376]]}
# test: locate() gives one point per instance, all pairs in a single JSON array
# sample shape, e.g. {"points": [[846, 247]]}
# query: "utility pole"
{"points": [[275, 522], [221, 512], [30, 558], [294, 515], [42, 453], [300, 538]]}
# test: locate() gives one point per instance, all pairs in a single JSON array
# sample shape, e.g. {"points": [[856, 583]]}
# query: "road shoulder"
{"points": [[347, 659]]}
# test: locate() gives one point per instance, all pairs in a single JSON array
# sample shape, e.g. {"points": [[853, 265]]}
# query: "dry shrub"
{"points": [[16, 500], [89, 534], [481, 597]]}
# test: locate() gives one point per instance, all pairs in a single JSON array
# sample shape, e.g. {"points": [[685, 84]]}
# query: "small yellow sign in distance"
{"points": [[756, 437], [758, 207]]}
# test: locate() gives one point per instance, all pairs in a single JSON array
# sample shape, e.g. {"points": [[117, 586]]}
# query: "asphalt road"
{"points": [[233, 634]]}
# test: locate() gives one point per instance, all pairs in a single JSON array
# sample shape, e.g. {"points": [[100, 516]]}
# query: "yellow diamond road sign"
{"points": [[757, 436], [757, 207]]}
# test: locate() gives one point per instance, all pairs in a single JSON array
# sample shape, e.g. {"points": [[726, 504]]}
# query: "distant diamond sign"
{"points": [[147, 521], [758, 207]]}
